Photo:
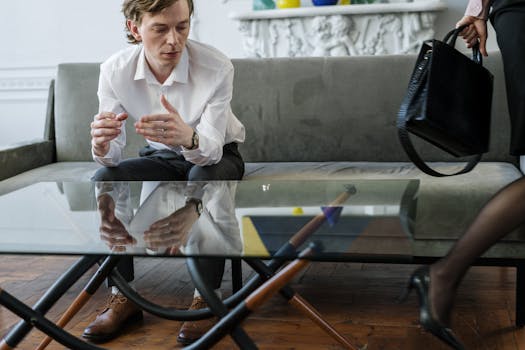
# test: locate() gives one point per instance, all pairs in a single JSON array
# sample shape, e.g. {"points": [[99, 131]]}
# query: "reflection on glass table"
{"points": [[238, 219]]}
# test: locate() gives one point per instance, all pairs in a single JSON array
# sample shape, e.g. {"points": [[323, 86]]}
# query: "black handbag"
{"points": [[448, 103]]}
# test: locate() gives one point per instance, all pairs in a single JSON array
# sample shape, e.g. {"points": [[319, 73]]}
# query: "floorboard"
{"points": [[360, 300]]}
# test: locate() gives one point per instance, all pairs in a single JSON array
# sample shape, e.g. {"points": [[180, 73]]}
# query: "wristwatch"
{"points": [[194, 140], [198, 204]]}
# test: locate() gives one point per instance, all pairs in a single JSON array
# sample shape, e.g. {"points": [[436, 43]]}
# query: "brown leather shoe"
{"points": [[191, 331], [118, 313]]}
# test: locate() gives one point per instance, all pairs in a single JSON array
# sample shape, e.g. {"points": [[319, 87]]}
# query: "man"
{"points": [[177, 92]]}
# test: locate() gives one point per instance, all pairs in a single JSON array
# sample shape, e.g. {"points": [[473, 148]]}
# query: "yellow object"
{"points": [[252, 243], [297, 211], [344, 2], [284, 4]]}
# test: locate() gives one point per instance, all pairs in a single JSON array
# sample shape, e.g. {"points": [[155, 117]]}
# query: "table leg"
{"points": [[91, 287], [52, 295], [216, 305], [236, 266], [35, 319], [300, 303], [253, 301]]}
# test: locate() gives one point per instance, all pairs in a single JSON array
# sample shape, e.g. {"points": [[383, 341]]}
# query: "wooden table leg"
{"points": [[37, 320], [91, 287]]}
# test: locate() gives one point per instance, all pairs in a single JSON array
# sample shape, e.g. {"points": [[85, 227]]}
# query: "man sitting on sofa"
{"points": [[177, 92]]}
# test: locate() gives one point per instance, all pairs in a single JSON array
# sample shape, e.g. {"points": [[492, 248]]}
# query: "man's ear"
{"points": [[134, 29]]}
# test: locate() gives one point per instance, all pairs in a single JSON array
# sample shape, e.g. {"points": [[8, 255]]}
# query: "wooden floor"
{"points": [[358, 299]]}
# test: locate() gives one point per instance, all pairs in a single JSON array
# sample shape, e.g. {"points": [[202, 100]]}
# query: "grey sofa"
{"points": [[305, 118]]}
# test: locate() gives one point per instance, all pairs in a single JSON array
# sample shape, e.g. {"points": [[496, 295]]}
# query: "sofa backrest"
{"points": [[294, 109]]}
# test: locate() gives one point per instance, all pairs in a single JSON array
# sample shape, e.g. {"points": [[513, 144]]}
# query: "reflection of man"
{"points": [[178, 93], [166, 222]]}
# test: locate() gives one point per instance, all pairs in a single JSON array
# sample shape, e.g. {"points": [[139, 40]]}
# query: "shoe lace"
{"points": [[115, 299], [198, 303]]}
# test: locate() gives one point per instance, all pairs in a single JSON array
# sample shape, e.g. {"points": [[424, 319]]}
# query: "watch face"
{"points": [[199, 207], [195, 140]]}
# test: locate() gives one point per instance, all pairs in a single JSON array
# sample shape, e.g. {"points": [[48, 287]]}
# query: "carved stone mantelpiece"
{"points": [[375, 29]]}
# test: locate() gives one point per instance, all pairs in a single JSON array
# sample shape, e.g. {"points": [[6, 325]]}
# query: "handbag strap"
{"points": [[414, 156]]}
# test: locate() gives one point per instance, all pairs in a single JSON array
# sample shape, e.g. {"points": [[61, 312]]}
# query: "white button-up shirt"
{"points": [[200, 88]]}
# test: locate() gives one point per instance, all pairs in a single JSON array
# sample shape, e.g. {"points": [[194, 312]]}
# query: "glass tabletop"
{"points": [[250, 218]]}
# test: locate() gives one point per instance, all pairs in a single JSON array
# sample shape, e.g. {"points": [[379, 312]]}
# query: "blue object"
{"points": [[332, 214], [324, 2], [263, 5]]}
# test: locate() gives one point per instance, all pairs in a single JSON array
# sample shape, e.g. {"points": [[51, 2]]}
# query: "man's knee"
{"points": [[198, 173], [213, 172], [107, 174], [225, 170]]}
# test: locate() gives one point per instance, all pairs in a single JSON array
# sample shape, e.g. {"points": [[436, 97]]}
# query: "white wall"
{"points": [[40, 34], [37, 35]]}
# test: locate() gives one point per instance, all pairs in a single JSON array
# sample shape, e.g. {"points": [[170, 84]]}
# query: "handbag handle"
{"points": [[451, 37]]}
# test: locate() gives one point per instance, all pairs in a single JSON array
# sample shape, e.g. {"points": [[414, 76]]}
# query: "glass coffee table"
{"points": [[264, 223]]}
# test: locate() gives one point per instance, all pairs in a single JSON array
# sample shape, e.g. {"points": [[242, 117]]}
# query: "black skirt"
{"points": [[499, 5]]}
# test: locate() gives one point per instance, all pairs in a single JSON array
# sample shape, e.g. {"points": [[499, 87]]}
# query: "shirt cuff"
{"points": [[477, 8], [109, 160]]}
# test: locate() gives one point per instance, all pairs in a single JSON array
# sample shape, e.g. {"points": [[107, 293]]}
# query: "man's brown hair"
{"points": [[134, 10]]}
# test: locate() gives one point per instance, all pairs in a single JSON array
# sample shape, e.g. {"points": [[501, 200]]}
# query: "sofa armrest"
{"points": [[25, 156]]}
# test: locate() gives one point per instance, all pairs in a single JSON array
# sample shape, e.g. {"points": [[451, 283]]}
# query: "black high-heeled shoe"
{"points": [[420, 280]]}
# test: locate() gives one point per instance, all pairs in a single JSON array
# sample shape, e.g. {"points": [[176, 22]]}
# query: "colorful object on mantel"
{"points": [[284, 4], [324, 2], [263, 5], [344, 2]]}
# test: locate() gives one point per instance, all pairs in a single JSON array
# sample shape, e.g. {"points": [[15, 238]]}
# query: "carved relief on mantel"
{"points": [[376, 29]]}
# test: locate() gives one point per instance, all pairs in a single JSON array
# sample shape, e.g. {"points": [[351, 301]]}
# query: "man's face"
{"points": [[164, 36]]}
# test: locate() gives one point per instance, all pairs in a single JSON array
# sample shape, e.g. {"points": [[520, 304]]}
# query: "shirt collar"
{"points": [[179, 74]]}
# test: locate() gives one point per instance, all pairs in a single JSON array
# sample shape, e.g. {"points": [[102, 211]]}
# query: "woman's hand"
{"points": [[476, 32]]}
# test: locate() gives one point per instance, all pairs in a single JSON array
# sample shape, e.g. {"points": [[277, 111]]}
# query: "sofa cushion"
{"points": [[61, 171]]}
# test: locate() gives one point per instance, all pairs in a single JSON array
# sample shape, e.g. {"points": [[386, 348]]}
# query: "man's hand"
{"points": [[168, 129], [105, 128], [172, 231], [112, 231], [474, 33]]}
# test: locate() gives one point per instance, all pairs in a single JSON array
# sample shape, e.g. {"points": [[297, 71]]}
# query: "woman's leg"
{"points": [[501, 215]]}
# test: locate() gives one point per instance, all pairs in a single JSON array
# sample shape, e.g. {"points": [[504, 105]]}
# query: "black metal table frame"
{"points": [[34, 317]]}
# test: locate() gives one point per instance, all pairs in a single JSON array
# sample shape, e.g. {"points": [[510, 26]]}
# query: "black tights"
{"points": [[500, 216]]}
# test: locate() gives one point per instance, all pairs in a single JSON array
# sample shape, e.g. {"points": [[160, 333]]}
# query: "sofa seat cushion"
{"points": [[61, 171]]}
